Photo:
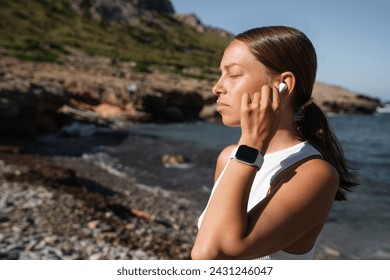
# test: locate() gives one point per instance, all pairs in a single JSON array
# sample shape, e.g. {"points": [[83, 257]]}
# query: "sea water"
{"points": [[356, 229]]}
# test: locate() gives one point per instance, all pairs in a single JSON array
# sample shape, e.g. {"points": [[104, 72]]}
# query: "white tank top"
{"points": [[274, 163]]}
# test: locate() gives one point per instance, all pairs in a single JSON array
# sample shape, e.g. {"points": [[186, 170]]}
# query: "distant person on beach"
{"points": [[274, 190]]}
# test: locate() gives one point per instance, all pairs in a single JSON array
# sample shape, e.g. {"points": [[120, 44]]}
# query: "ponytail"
{"points": [[312, 125]]}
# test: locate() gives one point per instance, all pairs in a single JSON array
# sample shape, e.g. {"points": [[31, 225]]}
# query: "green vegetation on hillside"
{"points": [[43, 30]]}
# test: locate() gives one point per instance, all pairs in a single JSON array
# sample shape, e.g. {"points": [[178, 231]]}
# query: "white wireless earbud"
{"points": [[282, 87]]}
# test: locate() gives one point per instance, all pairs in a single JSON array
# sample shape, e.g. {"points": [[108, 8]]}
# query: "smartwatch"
{"points": [[249, 155]]}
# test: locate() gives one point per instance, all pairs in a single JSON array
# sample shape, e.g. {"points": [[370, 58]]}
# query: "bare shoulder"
{"points": [[318, 170], [316, 178], [223, 158]]}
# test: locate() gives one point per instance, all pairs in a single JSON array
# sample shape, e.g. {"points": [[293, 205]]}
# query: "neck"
{"points": [[286, 136]]}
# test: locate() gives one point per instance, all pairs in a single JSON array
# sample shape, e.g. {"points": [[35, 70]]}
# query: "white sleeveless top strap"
{"points": [[274, 164]]}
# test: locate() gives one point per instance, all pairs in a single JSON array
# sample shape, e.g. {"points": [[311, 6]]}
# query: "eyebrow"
{"points": [[230, 65]]}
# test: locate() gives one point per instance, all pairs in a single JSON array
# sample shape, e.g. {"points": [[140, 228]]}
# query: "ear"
{"points": [[289, 79]]}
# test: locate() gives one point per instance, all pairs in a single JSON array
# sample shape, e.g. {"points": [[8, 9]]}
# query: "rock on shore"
{"points": [[335, 99]]}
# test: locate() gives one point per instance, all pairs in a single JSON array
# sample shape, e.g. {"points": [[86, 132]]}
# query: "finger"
{"points": [[256, 99], [245, 101], [266, 95], [276, 98]]}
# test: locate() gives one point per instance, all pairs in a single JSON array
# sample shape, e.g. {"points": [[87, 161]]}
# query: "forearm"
{"points": [[224, 224]]}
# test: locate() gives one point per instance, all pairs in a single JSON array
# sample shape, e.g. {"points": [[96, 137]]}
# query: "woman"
{"points": [[274, 190]]}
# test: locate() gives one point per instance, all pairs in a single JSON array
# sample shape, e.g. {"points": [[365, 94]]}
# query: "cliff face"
{"points": [[41, 96], [38, 97]]}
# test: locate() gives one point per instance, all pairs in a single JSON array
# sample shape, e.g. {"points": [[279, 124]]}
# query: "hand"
{"points": [[260, 117]]}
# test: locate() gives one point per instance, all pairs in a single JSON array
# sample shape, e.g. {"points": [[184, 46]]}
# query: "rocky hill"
{"points": [[145, 32], [103, 60]]}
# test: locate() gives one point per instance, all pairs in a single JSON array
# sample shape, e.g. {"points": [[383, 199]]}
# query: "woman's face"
{"points": [[241, 73]]}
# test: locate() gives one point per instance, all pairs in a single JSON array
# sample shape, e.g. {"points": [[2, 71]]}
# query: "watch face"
{"points": [[247, 154]]}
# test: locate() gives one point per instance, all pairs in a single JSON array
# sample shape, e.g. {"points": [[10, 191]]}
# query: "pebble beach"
{"points": [[75, 207]]}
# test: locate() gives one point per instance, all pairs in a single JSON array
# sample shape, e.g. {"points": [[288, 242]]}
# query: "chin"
{"points": [[230, 122]]}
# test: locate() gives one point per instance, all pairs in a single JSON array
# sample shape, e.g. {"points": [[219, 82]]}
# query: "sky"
{"points": [[352, 38]]}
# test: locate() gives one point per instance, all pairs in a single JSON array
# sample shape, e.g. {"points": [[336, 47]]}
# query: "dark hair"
{"points": [[281, 49]]}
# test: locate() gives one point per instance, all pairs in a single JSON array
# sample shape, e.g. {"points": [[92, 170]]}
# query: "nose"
{"points": [[218, 88]]}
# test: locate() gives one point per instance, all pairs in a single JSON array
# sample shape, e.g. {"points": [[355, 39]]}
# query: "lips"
{"points": [[221, 104]]}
